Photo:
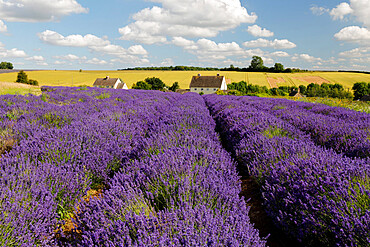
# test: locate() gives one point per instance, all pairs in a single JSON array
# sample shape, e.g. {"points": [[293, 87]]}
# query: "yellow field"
{"points": [[76, 78], [17, 88]]}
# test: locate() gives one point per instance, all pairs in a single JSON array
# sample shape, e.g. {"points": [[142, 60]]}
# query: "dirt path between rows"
{"points": [[258, 216]]}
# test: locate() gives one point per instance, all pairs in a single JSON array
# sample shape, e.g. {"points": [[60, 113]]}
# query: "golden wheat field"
{"points": [[77, 78]]}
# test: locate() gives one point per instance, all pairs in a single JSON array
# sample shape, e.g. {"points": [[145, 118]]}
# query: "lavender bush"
{"points": [[164, 177], [314, 194]]}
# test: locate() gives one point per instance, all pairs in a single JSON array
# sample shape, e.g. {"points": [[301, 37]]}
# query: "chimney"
{"points": [[198, 74], [107, 77]]}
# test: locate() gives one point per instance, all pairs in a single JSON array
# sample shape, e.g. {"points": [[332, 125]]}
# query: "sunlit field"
{"points": [[76, 78], [17, 88]]}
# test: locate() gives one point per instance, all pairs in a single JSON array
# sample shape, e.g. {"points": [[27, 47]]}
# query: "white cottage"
{"points": [[207, 84], [108, 82]]}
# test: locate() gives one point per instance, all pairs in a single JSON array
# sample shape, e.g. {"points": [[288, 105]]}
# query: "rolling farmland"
{"points": [[76, 78]]}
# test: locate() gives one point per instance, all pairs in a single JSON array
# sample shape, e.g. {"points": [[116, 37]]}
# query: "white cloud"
{"points": [[205, 48], [279, 54], [96, 61], [35, 58], [361, 10], [3, 27], [187, 18], [12, 53], [354, 34], [167, 62], [318, 10], [305, 57], [93, 42], [60, 62], [340, 11], [257, 31], [69, 57], [276, 44], [38, 10], [356, 53]]}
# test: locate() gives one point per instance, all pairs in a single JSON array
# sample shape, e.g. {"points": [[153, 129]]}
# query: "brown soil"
{"points": [[258, 216], [70, 228], [274, 82], [6, 145], [312, 79], [4, 84]]}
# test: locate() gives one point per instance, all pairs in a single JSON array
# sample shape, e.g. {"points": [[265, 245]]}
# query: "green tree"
{"points": [[6, 65], [174, 86], [156, 83], [22, 77], [256, 63], [142, 85], [361, 89], [279, 67]]}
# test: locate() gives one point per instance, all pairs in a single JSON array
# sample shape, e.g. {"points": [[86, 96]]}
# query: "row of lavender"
{"points": [[342, 130], [316, 195], [166, 180]]}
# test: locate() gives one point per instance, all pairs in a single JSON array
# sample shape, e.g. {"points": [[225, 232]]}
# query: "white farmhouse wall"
{"points": [[224, 85], [204, 90]]}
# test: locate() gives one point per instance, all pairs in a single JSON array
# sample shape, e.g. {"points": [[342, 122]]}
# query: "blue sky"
{"points": [[92, 34]]}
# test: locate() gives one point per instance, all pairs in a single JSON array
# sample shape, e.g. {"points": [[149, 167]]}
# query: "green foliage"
{"points": [[6, 65], [256, 63], [22, 77], [201, 93], [142, 85], [361, 89], [328, 90], [174, 86], [152, 83], [279, 67]]}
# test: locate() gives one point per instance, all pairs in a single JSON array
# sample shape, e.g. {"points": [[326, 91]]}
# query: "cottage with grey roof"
{"points": [[207, 84], [108, 82]]}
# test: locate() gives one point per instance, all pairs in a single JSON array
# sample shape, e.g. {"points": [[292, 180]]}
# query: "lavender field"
{"points": [[104, 167]]}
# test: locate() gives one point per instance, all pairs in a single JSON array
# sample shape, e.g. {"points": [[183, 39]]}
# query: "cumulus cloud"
{"points": [[205, 48], [318, 10], [96, 61], [3, 27], [356, 53], [257, 31], [36, 58], [167, 62], [305, 57], [69, 57], [12, 53], [276, 44], [340, 11], [279, 54], [38, 10], [187, 18], [92, 42], [354, 34]]}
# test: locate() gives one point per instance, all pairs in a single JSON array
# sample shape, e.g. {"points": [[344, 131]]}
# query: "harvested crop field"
{"points": [[312, 79], [274, 82]]}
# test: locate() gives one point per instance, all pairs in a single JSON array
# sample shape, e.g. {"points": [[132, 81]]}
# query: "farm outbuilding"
{"points": [[108, 82], [207, 84]]}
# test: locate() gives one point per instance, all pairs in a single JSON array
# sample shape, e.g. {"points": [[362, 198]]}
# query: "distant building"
{"points": [[108, 82], [207, 84]]}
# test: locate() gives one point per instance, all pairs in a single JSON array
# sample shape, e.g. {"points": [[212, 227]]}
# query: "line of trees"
{"points": [[154, 83], [312, 90], [175, 68], [6, 65], [258, 66]]}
